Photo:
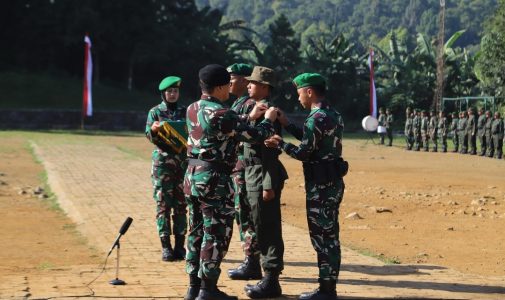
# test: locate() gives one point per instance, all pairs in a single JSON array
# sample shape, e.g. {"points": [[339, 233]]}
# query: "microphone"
{"points": [[122, 230]]}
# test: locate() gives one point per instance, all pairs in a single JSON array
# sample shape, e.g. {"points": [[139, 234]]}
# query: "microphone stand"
{"points": [[117, 281]]}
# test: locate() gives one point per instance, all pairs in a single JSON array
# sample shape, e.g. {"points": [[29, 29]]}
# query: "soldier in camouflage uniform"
{"points": [[425, 121], [481, 132], [433, 130], [238, 91], [250, 268], [320, 151], [471, 130], [167, 171], [409, 130], [214, 133], [497, 131], [454, 130], [389, 126], [443, 130], [417, 129], [489, 136], [463, 136], [382, 123]]}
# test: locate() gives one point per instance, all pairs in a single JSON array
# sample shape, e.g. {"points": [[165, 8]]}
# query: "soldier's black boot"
{"points": [[326, 291], [209, 291], [249, 269], [267, 287], [194, 287], [179, 250], [167, 253]]}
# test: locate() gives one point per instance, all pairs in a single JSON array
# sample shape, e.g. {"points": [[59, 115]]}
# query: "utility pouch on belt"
{"points": [[325, 171]]}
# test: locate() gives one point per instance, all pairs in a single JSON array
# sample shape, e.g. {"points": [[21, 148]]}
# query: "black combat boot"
{"points": [[194, 287], [267, 287], [249, 269], [326, 291], [179, 250], [167, 253], [209, 291]]}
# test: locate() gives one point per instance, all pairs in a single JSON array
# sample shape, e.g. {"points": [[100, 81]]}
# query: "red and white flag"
{"points": [[87, 104], [373, 95]]}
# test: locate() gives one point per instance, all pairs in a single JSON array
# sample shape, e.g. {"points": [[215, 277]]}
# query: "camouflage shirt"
{"points": [[442, 127], [321, 136], [164, 112], [214, 131], [481, 125], [454, 124], [389, 121], [409, 126], [471, 125], [497, 128]]}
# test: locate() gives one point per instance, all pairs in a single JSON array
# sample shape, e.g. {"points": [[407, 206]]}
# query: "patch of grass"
{"points": [[45, 265], [381, 257], [51, 199]]}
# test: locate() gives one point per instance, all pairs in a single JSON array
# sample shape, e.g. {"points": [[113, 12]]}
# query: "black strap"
{"points": [[211, 165]]}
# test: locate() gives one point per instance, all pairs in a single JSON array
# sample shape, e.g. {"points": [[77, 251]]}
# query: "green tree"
{"points": [[491, 61], [282, 55]]}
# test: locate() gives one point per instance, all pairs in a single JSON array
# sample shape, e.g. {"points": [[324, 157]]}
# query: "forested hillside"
{"points": [[366, 21]]}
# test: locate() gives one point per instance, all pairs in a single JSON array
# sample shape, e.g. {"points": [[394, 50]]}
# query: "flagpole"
{"points": [[87, 104], [84, 82]]}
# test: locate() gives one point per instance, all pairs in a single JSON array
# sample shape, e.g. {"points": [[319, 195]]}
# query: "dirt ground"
{"points": [[33, 232], [414, 207]]}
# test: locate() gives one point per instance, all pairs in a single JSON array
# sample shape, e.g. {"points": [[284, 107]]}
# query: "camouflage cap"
{"points": [[170, 81], [309, 79], [240, 69], [263, 75]]}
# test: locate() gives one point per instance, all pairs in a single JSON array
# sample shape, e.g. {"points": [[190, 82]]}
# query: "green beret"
{"points": [[170, 81], [240, 69], [309, 79]]}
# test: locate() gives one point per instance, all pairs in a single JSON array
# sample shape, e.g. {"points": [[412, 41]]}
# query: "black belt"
{"points": [[211, 165], [254, 161]]}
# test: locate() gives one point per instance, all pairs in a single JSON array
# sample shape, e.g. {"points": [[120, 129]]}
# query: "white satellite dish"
{"points": [[369, 123]]}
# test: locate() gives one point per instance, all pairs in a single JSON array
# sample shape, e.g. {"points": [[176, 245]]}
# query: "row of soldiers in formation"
{"points": [[465, 128], [231, 171]]}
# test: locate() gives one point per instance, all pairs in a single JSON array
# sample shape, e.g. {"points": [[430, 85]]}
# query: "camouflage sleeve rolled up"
{"points": [[229, 122], [311, 135], [323, 132], [151, 136], [295, 131]]}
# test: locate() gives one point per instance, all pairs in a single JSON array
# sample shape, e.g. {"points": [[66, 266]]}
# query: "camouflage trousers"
{"points": [[426, 141], [322, 203], [409, 139], [483, 143], [472, 143], [443, 141], [455, 140], [418, 141], [434, 142], [169, 199], [243, 214], [463, 142]]}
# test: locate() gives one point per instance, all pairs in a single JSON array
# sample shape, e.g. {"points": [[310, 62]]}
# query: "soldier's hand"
{"points": [[258, 110], [283, 119], [155, 127], [272, 142], [268, 195], [271, 114]]}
